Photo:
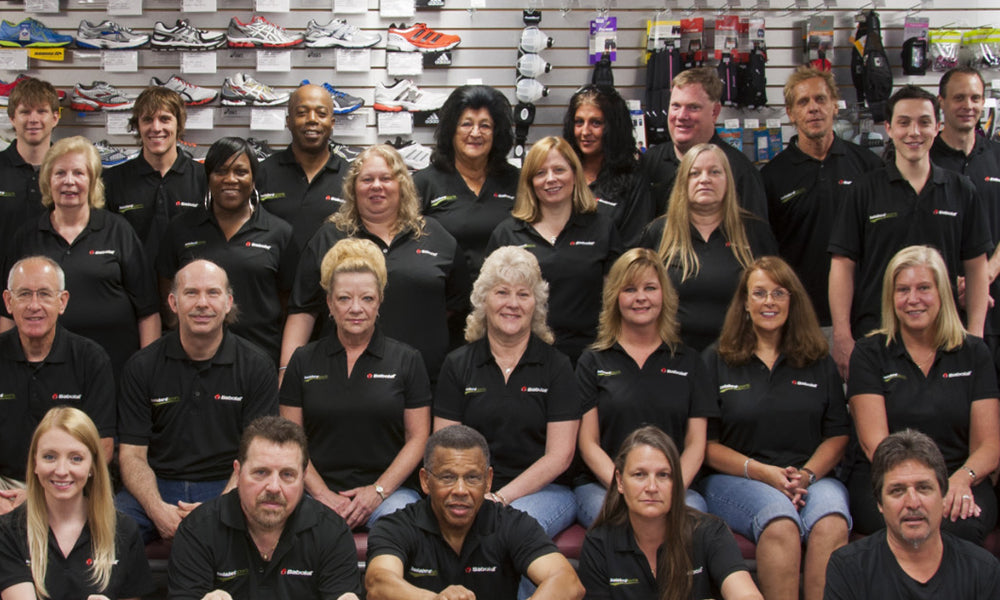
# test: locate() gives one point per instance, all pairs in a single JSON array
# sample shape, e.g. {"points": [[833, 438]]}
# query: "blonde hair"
{"points": [[348, 220], [676, 247], [73, 145], [353, 255], [101, 516], [625, 271], [804, 73], [509, 265], [526, 205], [948, 331]]}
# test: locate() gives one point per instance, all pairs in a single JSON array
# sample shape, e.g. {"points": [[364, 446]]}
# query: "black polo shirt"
{"points": [[666, 391], [20, 196], [705, 296], [355, 422], [470, 218], [110, 281], [191, 414], [660, 163], [883, 215], [426, 279], [938, 404], [574, 266], [498, 548], [867, 569], [803, 197], [148, 200], [69, 577], [511, 415], [982, 167], [805, 404], [260, 260], [625, 199], [285, 192], [314, 559], [77, 372]]}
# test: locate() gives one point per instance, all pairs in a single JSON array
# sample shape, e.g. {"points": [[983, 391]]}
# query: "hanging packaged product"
{"points": [[944, 48], [818, 42], [982, 48], [662, 34], [727, 36], [529, 90], [914, 52], [751, 81], [603, 39], [869, 64], [692, 42], [663, 63], [534, 39], [532, 65]]}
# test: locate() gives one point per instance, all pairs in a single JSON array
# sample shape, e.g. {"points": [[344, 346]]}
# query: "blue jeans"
{"points": [[553, 507], [748, 506], [393, 502], [171, 491], [590, 498]]}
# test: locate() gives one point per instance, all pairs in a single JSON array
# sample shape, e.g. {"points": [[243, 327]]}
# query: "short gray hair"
{"points": [[510, 265], [60, 274], [455, 437]]}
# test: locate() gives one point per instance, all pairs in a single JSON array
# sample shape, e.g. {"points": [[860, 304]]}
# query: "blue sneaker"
{"points": [[30, 33], [343, 102]]}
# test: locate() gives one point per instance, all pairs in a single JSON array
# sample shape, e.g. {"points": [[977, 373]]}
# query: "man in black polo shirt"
{"points": [[694, 106], [807, 182], [303, 183], [907, 202], [161, 182], [41, 366], [185, 400], [33, 108], [452, 545], [911, 559], [265, 539], [958, 148]]}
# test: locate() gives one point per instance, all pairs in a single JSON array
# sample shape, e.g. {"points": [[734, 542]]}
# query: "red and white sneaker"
{"points": [[419, 38], [259, 33]]}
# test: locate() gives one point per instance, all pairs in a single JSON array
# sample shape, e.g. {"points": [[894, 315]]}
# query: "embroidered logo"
{"points": [[427, 252], [332, 198], [297, 572], [504, 196], [67, 396], [791, 194], [606, 202], [845, 182], [582, 243], [993, 180], [186, 204], [194, 243], [603, 373], [102, 252], [956, 374], [422, 572], [256, 245], [272, 196], [535, 390], [732, 387], [667, 371], [164, 400], [229, 398], [475, 390], [381, 376], [891, 376], [308, 378], [945, 213], [230, 575], [8, 396], [124, 208], [492, 569], [804, 383], [882, 217], [442, 200], [617, 581]]}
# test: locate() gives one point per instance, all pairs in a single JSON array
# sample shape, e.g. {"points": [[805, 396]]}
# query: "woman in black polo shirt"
{"points": [[706, 240], [639, 373], [97, 550], [923, 371], [363, 398], [647, 544], [782, 428]]}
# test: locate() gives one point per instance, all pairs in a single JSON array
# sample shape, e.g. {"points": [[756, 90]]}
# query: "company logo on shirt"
{"points": [[297, 572], [102, 252], [845, 182], [8, 396], [603, 373], [945, 213], [528, 246], [891, 376], [882, 217], [475, 390], [427, 252], [124, 208], [422, 572], [956, 374], [504, 196], [230, 575], [535, 390], [732, 387], [381, 376], [332, 198], [804, 383], [582, 243], [491, 569], [256, 245], [697, 571], [606, 202], [442, 200], [791, 195], [308, 378], [667, 371], [617, 581], [194, 243], [5, 194], [272, 196], [164, 400], [67, 396], [229, 398], [186, 204], [992, 179]]}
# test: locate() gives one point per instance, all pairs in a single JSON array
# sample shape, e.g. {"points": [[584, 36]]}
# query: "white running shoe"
{"points": [[405, 95], [339, 33], [243, 90], [416, 155], [183, 36], [259, 33], [193, 95], [108, 34]]}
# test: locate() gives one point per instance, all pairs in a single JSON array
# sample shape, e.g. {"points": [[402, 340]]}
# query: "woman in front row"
{"points": [[646, 535], [67, 542], [782, 428]]}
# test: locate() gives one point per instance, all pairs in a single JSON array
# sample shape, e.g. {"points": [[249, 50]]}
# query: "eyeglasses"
{"points": [[450, 479], [44, 295], [777, 295]]}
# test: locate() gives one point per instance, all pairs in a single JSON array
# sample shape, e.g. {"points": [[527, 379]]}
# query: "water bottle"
{"points": [[530, 90], [532, 65], [534, 39]]}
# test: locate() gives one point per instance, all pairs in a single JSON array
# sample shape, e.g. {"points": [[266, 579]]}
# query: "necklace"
{"points": [[265, 554], [926, 361]]}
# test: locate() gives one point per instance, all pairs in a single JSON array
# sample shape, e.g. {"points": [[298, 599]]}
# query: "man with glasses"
{"points": [[453, 545], [41, 366]]}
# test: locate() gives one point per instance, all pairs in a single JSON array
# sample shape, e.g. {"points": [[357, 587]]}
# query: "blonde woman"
{"points": [[97, 552], [706, 240]]}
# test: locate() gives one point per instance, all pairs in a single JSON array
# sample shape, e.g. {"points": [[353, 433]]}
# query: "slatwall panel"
{"points": [[487, 52]]}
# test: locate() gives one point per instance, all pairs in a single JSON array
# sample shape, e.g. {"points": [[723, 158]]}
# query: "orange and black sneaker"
{"points": [[419, 38]]}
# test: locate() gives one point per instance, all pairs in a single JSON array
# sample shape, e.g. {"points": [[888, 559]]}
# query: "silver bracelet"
{"points": [[746, 468]]}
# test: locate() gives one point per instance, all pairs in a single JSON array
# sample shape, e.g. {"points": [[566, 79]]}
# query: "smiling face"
{"points": [[33, 125], [354, 303], [912, 503], [813, 109], [158, 133], [691, 118], [641, 300], [474, 134], [553, 181], [963, 106], [231, 184], [645, 483], [509, 309], [456, 485], [271, 483], [70, 181], [62, 465], [35, 300], [767, 302], [310, 119], [377, 191], [588, 129], [707, 184], [912, 129], [916, 299], [201, 298]]}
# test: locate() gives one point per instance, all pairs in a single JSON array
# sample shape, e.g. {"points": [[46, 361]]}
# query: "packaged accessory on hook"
{"points": [[944, 48], [983, 46], [692, 43], [915, 61], [874, 74], [751, 82], [818, 38], [663, 63]]}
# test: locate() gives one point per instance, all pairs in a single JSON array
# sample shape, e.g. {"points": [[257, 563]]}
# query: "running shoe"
{"points": [[6, 88], [30, 33], [194, 151], [348, 153], [415, 155], [108, 34], [112, 155], [339, 33], [183, 36], [405, 95], [343, 102], [261, 148], [419, 38], [259, 33], [100, 96], [243, 90], [193, 95]]}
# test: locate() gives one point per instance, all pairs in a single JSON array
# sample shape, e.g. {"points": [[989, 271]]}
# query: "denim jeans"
{"points": [[171, 491], [553, 507], [590, 497], [393, 502]]}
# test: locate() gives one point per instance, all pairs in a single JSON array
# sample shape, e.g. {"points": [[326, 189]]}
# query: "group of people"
{"points": [[507, 352]]}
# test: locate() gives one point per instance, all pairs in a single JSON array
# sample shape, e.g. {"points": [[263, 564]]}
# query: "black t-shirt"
{"points": [[314, 559], [705, 296], [805, 404], [76, 372], [803, 198], [191, 415], [109, 279], [883, 215], [868, 570], [939, 404], [470, 218], [20, 195], [148, 200], [660, 163], [612, 567], [426, 279], [260, 260], [355, 423], [69, 577], [511, 415], [574, 267], [625, 200], [500, 545], [285, 192]]}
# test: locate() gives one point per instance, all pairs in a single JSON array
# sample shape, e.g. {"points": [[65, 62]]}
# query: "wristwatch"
{"points": [[380, 491], [812, 476]]}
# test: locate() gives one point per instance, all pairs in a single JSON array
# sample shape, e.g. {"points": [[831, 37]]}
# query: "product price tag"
{"points": [[200, 118], [354, 124], [773, 123], [275, 6], [233, 115], [162, 59], [403, 64], [841, 104], [267, 119], [13, 60], [349, 7], [474, 81], [989, 103], [396, 8], [397, 123], [731, 123], [198, 6], [41, 6], [354, 60], [477, 4], [751, 123], [117, 123], [120, 61], [274, 60], [199, 62], [124, 7]]}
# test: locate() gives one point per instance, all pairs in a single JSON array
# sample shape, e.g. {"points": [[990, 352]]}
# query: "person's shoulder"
{"points": [[860, 553], [276, 161], [82, 346], [126, 529], [14, 524], [869, 159], [206, 519], [434, 229], [971, 554], [153, 352], [875, 342], [250, 352]]}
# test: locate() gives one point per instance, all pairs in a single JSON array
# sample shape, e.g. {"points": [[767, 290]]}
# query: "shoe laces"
{"points": [[334, 91]]}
